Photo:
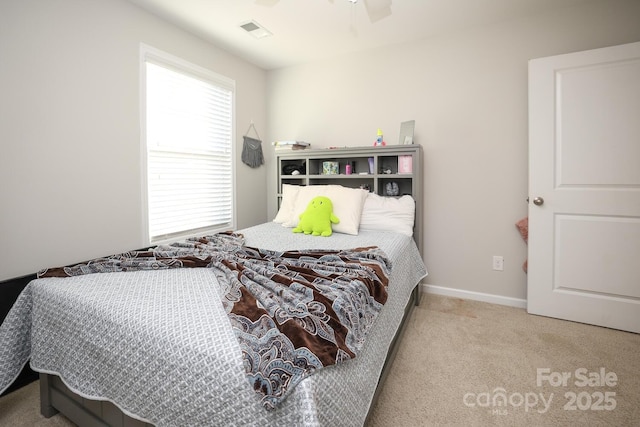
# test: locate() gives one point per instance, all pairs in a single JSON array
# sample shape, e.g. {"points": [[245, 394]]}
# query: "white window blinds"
{"points": [[189, 122]]}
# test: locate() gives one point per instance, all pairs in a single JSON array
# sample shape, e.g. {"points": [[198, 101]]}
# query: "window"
{"points": [[188, 132]]}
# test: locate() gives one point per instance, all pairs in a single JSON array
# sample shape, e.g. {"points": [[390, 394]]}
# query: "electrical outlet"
{"points": [[498, 263]]}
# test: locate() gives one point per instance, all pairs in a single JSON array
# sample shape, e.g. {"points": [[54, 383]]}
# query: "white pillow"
{"points": [[388, 214], [289, 195], [347, 205]]}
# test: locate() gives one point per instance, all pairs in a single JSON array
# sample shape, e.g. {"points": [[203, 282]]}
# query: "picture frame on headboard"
{"points": [[406, 132]]}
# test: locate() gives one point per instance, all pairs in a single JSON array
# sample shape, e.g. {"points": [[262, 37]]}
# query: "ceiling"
{"points": [[309, 30]]}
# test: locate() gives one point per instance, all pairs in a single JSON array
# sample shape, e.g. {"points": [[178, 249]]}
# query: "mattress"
{"points": [[158, 344]]}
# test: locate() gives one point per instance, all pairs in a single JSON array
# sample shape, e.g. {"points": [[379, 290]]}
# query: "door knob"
{"points": [[538, 201]]}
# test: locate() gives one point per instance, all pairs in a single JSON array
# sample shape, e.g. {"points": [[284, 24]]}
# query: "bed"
{"points": [[149, 347]]}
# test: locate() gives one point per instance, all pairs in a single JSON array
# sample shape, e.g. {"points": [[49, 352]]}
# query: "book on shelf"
{"points": [[290, 145], [405, 165]]}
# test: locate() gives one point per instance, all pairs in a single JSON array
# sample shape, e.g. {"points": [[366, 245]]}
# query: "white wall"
{"points": [[70, 175], [468, 94]]}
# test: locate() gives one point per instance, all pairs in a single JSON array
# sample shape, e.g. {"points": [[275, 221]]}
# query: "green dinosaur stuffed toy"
{"points": [[317, 218]]}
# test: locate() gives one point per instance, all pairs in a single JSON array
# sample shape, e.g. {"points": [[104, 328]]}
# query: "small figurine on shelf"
{"points": [[379, 141]]}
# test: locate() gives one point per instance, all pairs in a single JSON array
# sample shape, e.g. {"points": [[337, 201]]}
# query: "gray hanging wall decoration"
{"points": [[252, 149]]}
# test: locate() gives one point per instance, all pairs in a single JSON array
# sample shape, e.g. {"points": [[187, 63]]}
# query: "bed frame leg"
{"points": [[46, 409]]}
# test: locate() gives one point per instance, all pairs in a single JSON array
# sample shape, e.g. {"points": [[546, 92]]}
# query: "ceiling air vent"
{"points": [[255, 29]]}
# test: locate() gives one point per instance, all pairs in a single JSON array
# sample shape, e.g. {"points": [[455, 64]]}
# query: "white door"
{"points": [[584, 187]]}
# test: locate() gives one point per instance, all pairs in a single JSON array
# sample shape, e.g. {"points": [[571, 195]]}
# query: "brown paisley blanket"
{"points": [[293, 312]]}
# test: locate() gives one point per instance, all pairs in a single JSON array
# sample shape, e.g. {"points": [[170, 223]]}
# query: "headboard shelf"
{"points": [[380, 169]]}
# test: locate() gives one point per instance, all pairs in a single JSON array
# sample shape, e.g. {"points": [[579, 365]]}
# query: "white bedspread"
{"points": [[159, 345]]}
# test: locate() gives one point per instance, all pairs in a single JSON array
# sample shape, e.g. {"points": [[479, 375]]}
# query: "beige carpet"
{"points": [[456, 353], [21, 408], [457, 356]]}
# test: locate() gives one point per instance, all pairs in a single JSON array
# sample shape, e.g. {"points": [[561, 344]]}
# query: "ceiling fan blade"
{"points": [[377, 9]]}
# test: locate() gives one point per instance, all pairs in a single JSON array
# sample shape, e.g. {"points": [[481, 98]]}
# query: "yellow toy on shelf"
{"points": [[379, 140]]}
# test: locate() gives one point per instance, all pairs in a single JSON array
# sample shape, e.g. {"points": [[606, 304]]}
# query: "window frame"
{"points": [[164, 59]]}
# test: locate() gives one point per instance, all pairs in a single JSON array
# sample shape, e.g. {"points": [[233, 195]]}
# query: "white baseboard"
{"points": [[476, 296]]}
